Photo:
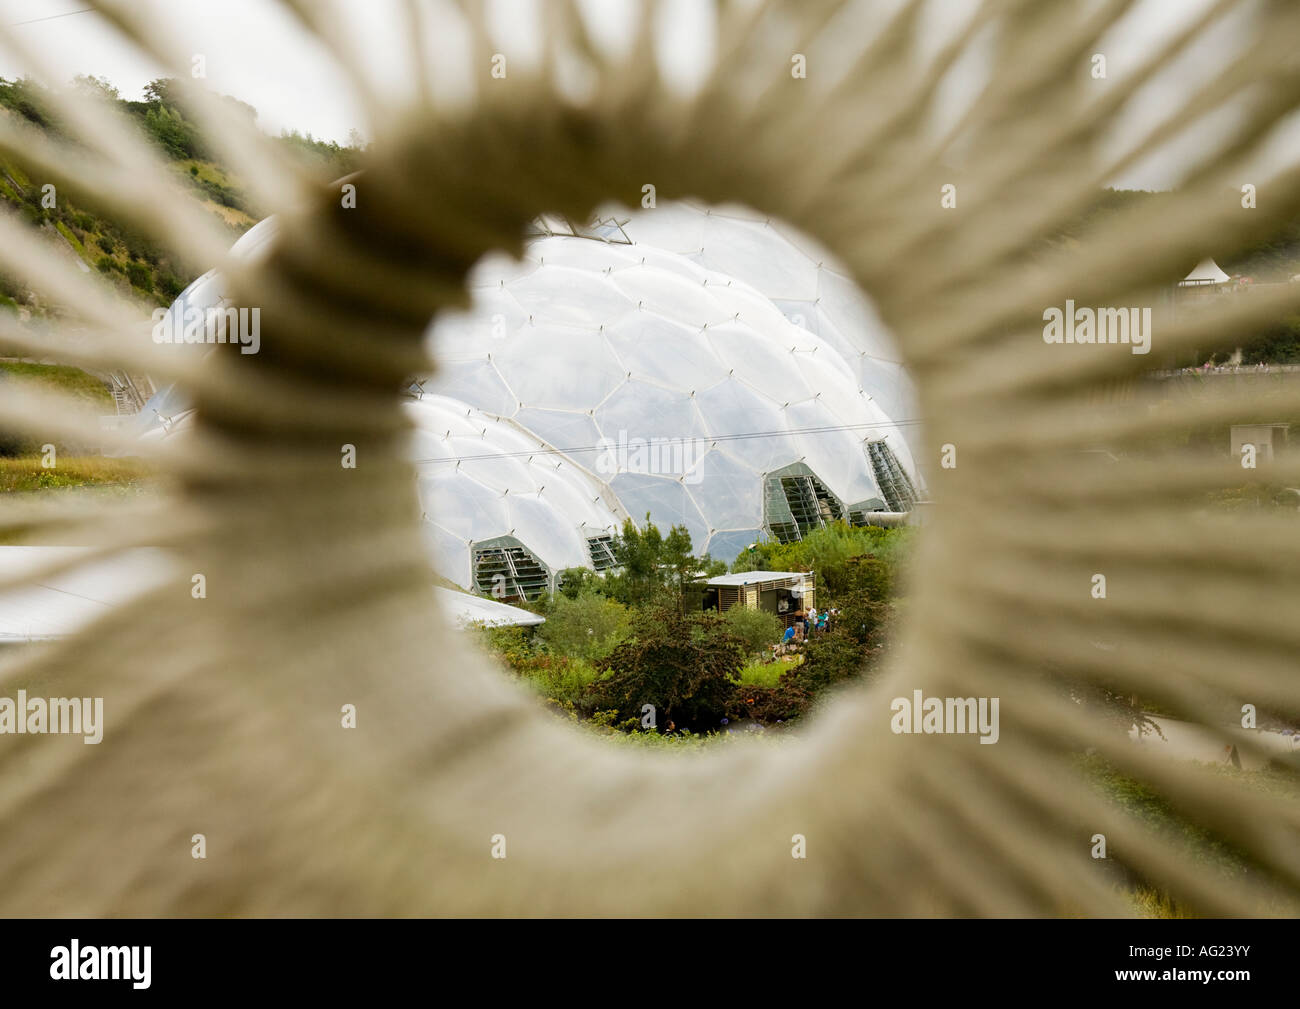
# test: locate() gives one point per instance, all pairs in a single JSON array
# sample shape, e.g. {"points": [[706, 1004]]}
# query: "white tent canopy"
{"points": [[1207, 272], [464, 610]]}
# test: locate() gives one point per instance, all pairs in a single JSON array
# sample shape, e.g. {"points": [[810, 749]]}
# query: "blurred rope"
{"points": [[223, 713]]}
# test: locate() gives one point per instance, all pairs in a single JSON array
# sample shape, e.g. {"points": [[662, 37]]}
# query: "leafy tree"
{"points": [[686, 666], [172, 132], [639, 559], [574, 582], [835, 553], [170, 285], [830, 657], [1278, 344], [756, 629], [95, 87], [587, 626], [29, 99], [169, 93], [327, 155], [163, 91], [243, 108], [648, 563]]}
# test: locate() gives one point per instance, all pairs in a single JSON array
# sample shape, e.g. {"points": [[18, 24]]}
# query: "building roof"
{"points": [[754, 577]]}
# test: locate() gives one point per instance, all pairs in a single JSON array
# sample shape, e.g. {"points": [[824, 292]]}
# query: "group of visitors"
{"points": [[806, 623]]}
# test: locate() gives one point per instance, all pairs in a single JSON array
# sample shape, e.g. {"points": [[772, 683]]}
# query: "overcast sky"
{"points": [[258, 54]]}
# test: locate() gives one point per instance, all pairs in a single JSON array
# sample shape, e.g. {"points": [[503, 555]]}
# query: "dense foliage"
{"points": [[586, 626], [687, 667], [637, 635]]}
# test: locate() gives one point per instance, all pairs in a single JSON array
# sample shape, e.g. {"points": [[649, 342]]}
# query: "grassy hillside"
{"points": [[73, 381], [141, 271], [91, 392], [25, 475]]}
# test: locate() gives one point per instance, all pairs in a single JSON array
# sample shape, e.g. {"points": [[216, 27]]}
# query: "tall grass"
{"points": [[27, 475], [74, 381]]}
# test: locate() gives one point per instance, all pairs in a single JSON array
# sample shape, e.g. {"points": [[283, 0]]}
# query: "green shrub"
{"points": [[140, 276], [512, 645], [170, 285], [757, 630], [831, 657], [585, 627], [105, 243], [106, 264], [788, 700], [556, 677], [837, 554], [171, 131], [686, 666], [573, 582], [560, 679]]}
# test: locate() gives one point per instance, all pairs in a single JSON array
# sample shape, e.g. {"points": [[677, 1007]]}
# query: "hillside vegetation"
{"points": [[139, 269], [143, 273]]}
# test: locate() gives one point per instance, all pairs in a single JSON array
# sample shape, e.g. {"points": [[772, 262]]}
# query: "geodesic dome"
{"points": [[797, 275], [506, 513], [169, 409], [673, 391], [687, 391]]}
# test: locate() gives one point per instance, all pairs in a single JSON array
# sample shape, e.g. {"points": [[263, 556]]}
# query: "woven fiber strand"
{"points": [[223, 713]]}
